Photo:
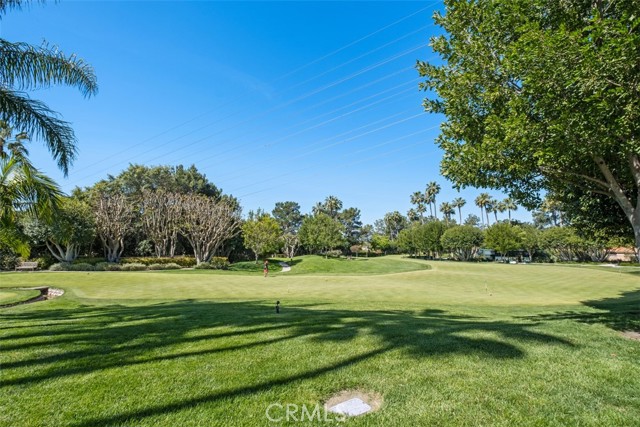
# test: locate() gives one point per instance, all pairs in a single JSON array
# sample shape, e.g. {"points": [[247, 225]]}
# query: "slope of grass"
{"points": [[11, 296], [314, 264], [460, 344]]}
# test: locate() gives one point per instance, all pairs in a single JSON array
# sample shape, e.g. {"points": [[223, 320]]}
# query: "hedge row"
{"points": [[216, 263], [182, 261], [109, 266]]}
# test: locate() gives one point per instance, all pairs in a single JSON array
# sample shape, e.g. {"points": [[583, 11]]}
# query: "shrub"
{"points": [[108, 266], [219, 263], [8, 259], [134, 266], [81, 266], [170, 266], [60, 266], [182, 261], [44, 262], [89, 260], [336, 253], [216, 263], [203, 266]]}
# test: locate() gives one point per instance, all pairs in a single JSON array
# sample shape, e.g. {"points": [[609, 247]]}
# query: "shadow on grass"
{"points": [[85, 340], [621, 313]]}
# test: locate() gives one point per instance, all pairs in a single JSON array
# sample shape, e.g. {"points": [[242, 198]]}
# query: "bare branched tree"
{"points": [[160, 217], [291, 243], [207, 223], [113, 215]]}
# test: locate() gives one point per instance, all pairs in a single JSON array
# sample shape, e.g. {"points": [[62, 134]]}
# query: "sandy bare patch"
{"points": [[631, 335]]}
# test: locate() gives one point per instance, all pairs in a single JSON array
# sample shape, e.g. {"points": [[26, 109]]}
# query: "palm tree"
{"points": [[490, 206], [447, 210], [413, 215], [332, 206], [418, 199], [500, 207], [481, 202], [433, 188], [510, 205], [458, 203], [23, 68], [23, 188]]}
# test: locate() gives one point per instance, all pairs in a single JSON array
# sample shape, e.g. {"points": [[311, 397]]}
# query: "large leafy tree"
{"points": [[463, 241], [172, 179], [503, 237], [321, 232], [261, 234], [540, 95], [25, 68], [352, 225], [71, 229], [154, 215], [392, 224], [289, 218]]}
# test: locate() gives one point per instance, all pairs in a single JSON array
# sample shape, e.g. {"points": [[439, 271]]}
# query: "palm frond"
{"points": [[23, 188], [10, 237], [26, 67], [6, 5], [35, 118]]}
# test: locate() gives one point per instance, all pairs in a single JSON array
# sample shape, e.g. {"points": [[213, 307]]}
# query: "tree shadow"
{"points": [[621, 313], [89, 339]]}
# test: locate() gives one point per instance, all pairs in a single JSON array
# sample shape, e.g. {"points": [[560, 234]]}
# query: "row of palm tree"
{"points": [[488, 204], [428, 197], [484, 201]]}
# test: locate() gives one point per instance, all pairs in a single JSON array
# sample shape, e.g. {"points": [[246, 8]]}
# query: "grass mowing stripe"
{"points": [[538, 346]]}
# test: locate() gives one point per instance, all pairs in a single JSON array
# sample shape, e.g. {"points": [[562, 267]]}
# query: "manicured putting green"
{"points": [[457, 344]]}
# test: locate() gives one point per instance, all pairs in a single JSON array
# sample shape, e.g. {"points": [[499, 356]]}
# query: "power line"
{"points": [[232, 101]]}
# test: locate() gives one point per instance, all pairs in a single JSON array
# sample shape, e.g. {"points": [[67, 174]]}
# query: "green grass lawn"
{"points": [[12, 296], [457, 344]]}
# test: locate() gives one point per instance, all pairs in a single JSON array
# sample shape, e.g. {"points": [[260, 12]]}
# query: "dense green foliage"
{"points": [[541, 95], [261, 234], [67, 232], [422, 238], [320, 233], [463, 241], [503, 237]]}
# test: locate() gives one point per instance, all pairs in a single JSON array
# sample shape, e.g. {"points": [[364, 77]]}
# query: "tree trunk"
{"points": [[61, 254], [635, 223], [632, 212]]}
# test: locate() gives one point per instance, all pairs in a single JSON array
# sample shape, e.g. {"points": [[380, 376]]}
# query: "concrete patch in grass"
{"points": [[353, 402]]}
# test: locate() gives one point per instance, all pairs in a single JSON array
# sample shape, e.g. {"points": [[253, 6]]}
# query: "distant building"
{"points": [[621, 254]]}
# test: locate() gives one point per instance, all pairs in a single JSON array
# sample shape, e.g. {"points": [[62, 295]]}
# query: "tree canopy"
{"points": [[540, 95]]}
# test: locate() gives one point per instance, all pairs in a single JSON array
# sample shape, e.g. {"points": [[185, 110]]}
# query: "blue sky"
{"points": [[273, 101]]}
